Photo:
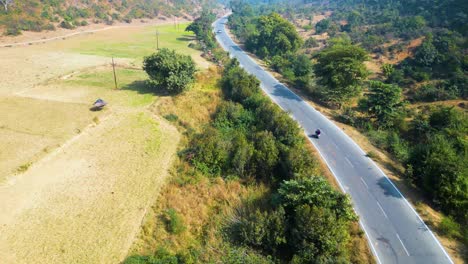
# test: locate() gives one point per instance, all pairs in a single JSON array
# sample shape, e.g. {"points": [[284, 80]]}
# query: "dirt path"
{"points": [[84, 202], [33, 39]]}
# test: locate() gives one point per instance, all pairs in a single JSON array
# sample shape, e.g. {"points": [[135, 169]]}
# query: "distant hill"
{"points": [[38, 15]]}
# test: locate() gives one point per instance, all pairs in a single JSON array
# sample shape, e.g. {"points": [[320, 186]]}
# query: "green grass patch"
{"points": [[23, 167], [132, 90], [174, 223], [136, 45]]}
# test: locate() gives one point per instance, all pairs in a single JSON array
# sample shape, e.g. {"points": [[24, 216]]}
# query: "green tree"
{"points": [[262, 229], [384, 102], [442, 173], [317, 233], [237, 84], [274, 36], [315, 191], [168, 71], [202, 28], [322, 26], [341, 70], [266, 153]]}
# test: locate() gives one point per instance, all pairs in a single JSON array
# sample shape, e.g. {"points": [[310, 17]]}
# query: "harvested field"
{"points": [[75, 184], [29, 128], [84, 203]]}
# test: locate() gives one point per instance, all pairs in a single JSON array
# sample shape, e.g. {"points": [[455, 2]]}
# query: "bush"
{"points": [[49, 27], [174, 222], [450, 228], [83, 23], [12, 31], [311, 43], [261, 229], [169, 71], [244, 256], [67, 24]]}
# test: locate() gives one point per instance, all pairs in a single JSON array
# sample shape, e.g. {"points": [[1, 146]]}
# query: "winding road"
{"points": [[395, 231]]}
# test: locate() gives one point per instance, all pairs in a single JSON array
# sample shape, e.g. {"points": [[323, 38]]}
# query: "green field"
{"points": [[135, 44]]}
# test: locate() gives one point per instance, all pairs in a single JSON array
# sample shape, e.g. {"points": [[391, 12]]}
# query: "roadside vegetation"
{"points": [[246, 188], [400, 105]]}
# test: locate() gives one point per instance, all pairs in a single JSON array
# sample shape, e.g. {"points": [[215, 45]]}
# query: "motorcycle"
{"points": [[317, 133]]}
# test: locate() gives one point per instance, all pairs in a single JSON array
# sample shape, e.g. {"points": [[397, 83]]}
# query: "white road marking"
{"points": [[402, 244], [349, 162], [364, 183], [382, 210], [370, 242]]}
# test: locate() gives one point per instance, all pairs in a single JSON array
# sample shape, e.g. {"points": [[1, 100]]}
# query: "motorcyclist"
{"points": [[317, 132]]}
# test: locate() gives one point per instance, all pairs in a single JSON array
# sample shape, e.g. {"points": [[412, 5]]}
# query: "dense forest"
{"points": [[38, 15], [402, 106]]}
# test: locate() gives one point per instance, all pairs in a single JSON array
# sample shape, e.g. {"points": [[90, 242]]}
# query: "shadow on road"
{"points": [[281, 91], [237, 48], [388, 188]]}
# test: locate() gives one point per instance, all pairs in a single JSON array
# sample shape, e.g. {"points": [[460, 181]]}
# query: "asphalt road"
{"points": [[395, 231]]}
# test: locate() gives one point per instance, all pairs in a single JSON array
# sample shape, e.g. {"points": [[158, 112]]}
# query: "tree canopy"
{"points": [[341, 70], [274, 35], [169, 71], [384, 102]]}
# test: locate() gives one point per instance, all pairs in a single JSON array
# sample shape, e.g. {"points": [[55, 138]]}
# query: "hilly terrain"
{"points": [[38, 15]]}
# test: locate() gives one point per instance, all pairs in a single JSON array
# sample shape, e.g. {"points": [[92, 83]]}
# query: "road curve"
{"points": [[395, 231]]}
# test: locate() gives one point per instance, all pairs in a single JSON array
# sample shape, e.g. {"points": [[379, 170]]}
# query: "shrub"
{"points": [[12, 31], [244, 256], [171, 117], [261, 229], [49, 27], [450, 228], [67, 24], [174, 222], [311, 43], [169, 71]]}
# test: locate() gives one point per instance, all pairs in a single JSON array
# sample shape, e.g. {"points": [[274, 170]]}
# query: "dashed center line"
{"points": [[364, 183], [407, 253], [349, 162], [382, 210]]}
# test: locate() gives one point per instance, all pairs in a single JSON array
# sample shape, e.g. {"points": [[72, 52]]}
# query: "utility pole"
{"points": [[115, 77], [157, 39]]}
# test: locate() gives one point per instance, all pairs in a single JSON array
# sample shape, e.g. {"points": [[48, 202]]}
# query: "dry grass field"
{"points": [[75, 184]]}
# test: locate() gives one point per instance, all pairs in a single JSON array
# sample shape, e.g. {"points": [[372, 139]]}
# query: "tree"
{"points": [[426, 55], [341, 70], [168, 71], [322, 26], [7, 3], [387, 70], [384, 102], [266, 153], [274, 36], [237, 84], [202, 28], [442, 173], [317, 233], [315, 191]]}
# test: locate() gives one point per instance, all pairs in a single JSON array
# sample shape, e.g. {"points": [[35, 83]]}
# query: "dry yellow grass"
{"points": [[84, 179], [194, 107], [85, 201], [30, 128]]}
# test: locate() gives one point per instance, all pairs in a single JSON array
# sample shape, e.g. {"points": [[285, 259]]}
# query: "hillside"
{"points": [[38, 15]]}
